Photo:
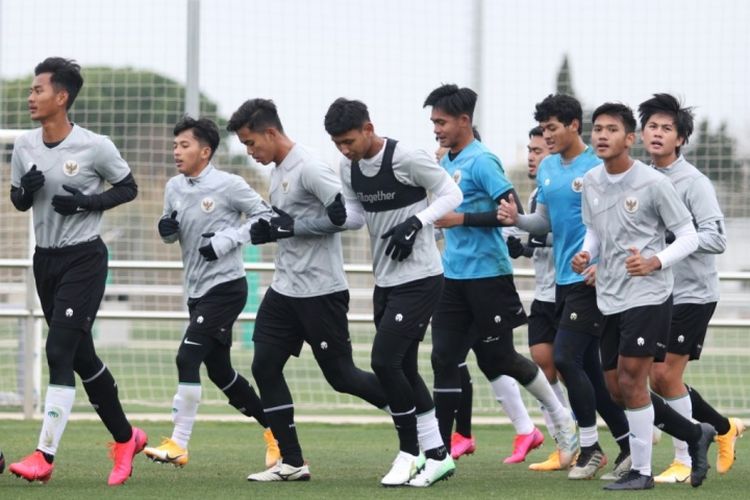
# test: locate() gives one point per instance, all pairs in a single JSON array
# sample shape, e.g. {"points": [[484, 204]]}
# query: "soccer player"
{"points": [[665, 128], [203, 210], [578, 320], [308, 298], [542, 318], [479, 306], [60, 169], [385, 186], [627, 207]]}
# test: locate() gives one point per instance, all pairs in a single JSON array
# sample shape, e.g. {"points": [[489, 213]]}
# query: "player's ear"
{"points": [[630, 139]]}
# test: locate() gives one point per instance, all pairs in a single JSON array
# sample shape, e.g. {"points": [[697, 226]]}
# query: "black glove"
{"points": [[260, 232], [207, 250], [69, 205], [402, 238], [537, 240], [32, 181], [669, 237], [515, 247], [169, 225], [337, 211], [282, 226]]}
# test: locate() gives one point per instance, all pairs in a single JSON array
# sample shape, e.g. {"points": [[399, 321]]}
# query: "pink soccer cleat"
{"points": [[523, 444], [122, 455], [33, 468], [462, 445]]}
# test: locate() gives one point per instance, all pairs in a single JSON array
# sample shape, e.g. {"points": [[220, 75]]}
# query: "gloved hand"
{"points": [[169, 225], [515, 247], [402, 238], [260, 232], [337, 211], [69, 205], [669, 237], [32, 181], [207, 250], [282, 226]]}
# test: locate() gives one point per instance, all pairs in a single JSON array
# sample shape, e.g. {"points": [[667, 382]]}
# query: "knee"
{"points": [[185, 362], [221, 376], [442, 362], [58, 357]]}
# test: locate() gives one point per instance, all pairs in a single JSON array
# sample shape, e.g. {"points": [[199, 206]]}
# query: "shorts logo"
{"points": [[457, 176], [324, 345], [681, 339], [399, 318], [71, 168], [498, 319], [573, 316], [199, 320], [208, 205], [577, 184], [520, 311], [487, 340], [285, 186], [640, 341], [546, 181], [69, 313], [631, 205], [660, 345]]}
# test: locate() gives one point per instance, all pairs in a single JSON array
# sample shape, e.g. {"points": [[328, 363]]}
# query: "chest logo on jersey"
{"points": [[631, 205], [208, 205], [457, 176], [577, 184], [285, 186], [71, 168]]}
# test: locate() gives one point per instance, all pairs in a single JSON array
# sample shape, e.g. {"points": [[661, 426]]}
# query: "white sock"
{"points": [[684, 407], [428, 432], [547, 420], [57, 406], [184, 410], [589, 435], [641, 423], [508, 395], [557, 388], [542, 391]]}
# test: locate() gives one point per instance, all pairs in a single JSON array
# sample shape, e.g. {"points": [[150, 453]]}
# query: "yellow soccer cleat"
{"points": [[725, 443], [168, 452], [552, 463], [677, 472], [273, 453]]}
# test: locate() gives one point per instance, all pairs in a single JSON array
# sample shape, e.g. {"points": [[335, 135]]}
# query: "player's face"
{"points": [[448, 129], [189, 155], [354, 144], [44, 101], [609, 137], [559, 137], [259, 145], [537, 151], [660, 136]]}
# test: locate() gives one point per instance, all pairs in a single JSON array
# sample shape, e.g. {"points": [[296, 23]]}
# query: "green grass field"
{"points": [[346, 461]]}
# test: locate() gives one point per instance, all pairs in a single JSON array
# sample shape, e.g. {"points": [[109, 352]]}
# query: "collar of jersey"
{"points": [[196, 180]]}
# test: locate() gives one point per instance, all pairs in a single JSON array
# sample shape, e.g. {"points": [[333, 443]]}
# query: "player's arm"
{"points": [[707, 216], [537, 223], [420, 169], [24, 182], [322, 181], [168, 225]]}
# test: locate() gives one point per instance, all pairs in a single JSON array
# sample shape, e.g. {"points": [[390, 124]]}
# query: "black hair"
{"points": [[536, 132], [66, 74], [565, 108], [668, 105], [344, 115], [617, 110], [453, 100], [256, 114], [204, 130], [475, 131]]}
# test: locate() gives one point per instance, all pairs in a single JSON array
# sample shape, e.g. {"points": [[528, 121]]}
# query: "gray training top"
{"points": [[83, 160], [633, 212], [214, 201], [696, 279], [311, 263], [544, 264]]}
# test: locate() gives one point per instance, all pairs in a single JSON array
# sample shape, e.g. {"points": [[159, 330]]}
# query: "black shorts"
{"points": [[215, 312], [640, 332], [491, 305], [576, 309], [405, 310], [320, 321], [70, 282], [689, 327], [542, 323]]}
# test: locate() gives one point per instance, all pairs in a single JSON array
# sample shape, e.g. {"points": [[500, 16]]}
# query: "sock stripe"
{"points": [[86, 381], [278, 408]]}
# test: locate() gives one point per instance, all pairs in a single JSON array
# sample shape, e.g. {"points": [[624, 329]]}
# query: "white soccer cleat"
{"points": [[567, 443], [282, 472], [404, 468], [434, 471]]}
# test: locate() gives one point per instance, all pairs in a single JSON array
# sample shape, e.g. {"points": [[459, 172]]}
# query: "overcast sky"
{"points": [[391, 53]]}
